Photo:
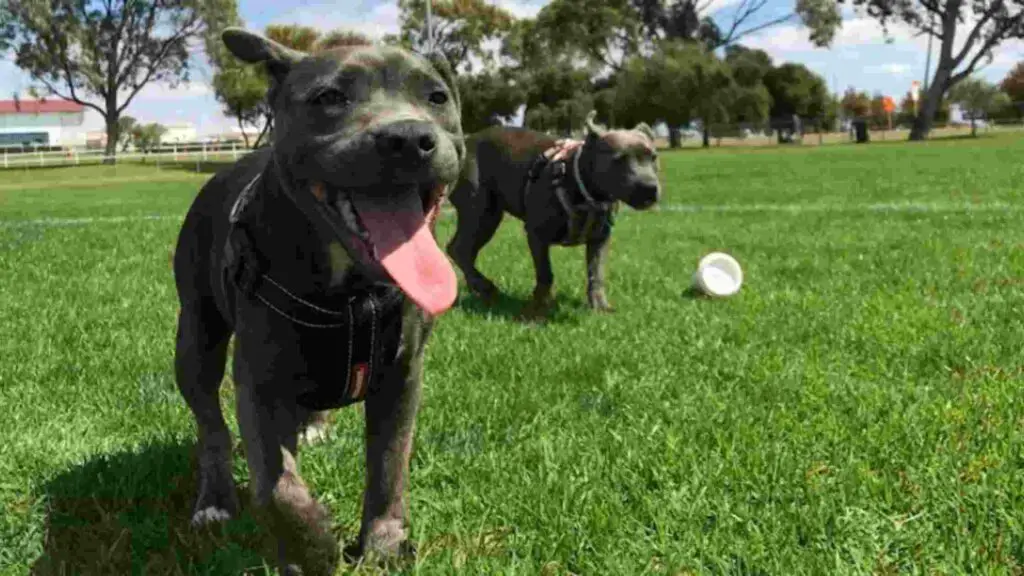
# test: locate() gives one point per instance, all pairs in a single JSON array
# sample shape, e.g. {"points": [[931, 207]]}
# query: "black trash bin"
{"points": [[860, 130]]}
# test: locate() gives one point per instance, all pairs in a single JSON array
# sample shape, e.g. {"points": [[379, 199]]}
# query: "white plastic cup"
{"points": [[718, 275]]}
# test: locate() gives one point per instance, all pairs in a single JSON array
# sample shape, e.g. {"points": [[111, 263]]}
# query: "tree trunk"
{"points": [[932, 98], [675, 137], [706, 134], [241, 128], [974, 127], [110, 151]]}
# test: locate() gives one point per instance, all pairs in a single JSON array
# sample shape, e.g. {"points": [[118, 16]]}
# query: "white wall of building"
{"points": [[178, 133], [62, 128]]}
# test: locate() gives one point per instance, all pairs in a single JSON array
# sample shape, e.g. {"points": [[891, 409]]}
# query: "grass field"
{"points": [[856, 409]]}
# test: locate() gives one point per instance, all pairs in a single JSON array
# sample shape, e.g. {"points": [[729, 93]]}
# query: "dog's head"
{"points": [[369, 138], [624, 163]]}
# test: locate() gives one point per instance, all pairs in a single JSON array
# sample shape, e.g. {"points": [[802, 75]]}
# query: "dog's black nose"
{"points": [[645, 196], [408, 140]]}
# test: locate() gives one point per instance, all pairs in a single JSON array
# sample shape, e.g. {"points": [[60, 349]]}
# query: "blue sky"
{"points": [[860, 56]]}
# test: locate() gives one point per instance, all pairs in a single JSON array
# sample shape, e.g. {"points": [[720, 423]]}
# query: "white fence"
{"points": [[17, 159]]}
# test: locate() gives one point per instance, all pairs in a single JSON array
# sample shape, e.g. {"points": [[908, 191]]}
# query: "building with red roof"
{"points": [[42, 122]]}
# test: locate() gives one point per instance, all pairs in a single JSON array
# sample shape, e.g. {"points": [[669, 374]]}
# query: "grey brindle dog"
{"points": [[318, 254], [565, 193]]}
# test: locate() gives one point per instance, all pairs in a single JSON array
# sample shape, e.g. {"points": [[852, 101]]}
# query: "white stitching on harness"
{"points": [[296, 320], [313, 306]]}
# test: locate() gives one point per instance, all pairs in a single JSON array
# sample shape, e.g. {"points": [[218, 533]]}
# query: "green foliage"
{"points": [[146, 137], [487, 99], [125, 129], [751, 100], [978, 98], [102, 54], [461, 28], [856, 104], [1013, 83], [606, 32], [795, 89]]}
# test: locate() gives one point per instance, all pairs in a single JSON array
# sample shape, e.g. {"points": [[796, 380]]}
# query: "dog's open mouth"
{"points": [[394, 231]]}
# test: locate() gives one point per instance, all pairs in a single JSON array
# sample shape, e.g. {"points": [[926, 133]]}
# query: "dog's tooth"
{"points": [[348, 214]]}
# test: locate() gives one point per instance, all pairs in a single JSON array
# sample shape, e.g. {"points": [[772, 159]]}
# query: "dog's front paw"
{"points": [[217, 501], [210, 515], [316, 429], [486, 291], [599, 303], [385, 543]]}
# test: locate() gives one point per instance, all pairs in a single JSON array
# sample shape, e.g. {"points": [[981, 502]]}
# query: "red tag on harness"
{"points": [[357, 379]]}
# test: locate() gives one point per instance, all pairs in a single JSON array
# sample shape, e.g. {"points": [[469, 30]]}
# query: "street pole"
{"points": [[928, 58]]}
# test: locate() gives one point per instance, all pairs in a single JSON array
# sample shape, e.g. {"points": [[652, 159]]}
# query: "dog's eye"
{"points": [[330, 98], [438, 97]]}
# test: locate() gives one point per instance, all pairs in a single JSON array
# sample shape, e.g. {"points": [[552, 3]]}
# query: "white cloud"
{"points": [[892, 69], [376, 22]]}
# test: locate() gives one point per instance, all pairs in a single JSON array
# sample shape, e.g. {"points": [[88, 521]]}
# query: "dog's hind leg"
{"points": [[200, 355], [270, 429]]}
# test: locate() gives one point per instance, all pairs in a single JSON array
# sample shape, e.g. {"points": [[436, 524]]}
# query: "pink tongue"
{"points": [[408, 252]]}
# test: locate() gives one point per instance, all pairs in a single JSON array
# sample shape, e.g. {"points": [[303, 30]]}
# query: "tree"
{"points": [[125, 125], [981, 24], [102, 54], [679, 83], [796, 90], [146, 137], [605, 32], [855, 104], [751, 101], [461, 28], [488, 98], [1013, 86], [977, 99], [562, 95], [610, 32]]}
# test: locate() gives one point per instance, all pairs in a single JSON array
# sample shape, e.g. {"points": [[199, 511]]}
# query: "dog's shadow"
{"points": [[129, 513], [565, 310]]}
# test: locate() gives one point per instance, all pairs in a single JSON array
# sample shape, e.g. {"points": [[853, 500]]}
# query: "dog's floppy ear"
{"points": [[253, 48], [646, 130], [444, 70]]}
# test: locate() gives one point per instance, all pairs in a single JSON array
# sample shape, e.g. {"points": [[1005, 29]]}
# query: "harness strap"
{"points": [[583, 218], [374, 310]]}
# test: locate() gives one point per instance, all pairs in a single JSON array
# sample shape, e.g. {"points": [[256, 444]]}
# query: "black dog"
{"points": [[565, 192], [318, 254]]}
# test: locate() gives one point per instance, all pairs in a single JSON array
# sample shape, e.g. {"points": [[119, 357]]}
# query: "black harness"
{"points": [[345, 344], [587, 218]]}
